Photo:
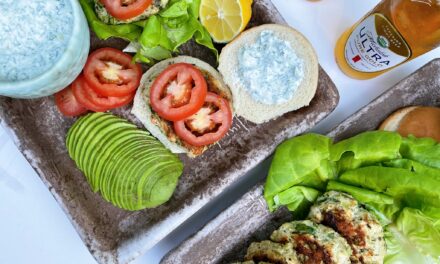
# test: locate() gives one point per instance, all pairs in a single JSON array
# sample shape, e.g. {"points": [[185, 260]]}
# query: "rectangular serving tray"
{"points": [[226, 238], [116, 236]]}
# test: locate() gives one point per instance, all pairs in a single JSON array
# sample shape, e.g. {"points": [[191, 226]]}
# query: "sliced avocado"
{"points": [[120, 149], [86, 130], [76, 137], [154, 189], [72, 135], [147, 179], [118, 168], [122, 160], [86, 142], [127, 165], [98, 144], [135, 162], [142, 161], [108, 150]]}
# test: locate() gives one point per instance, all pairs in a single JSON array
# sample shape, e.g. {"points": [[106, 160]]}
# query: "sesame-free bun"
{"points": [[420, 121], [244, 104]]}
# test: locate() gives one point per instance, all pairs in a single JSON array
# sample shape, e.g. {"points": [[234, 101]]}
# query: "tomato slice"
{"points": [[106, 102], [126, 9], [178, 92], [80, 89], [111, 72], [208, 125], [67, 103]]}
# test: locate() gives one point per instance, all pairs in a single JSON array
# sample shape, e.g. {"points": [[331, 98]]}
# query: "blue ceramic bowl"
{"points": [[63, 71]]}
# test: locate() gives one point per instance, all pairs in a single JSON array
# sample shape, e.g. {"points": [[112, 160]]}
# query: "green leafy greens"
{"points": [[397, 179], [160, 35], [302, 161]]}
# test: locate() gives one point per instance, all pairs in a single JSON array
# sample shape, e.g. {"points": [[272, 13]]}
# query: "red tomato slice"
{"points": [[111, 72], [106, 102], [178, 92], [67, 103], [79, 88], [208, 125], [126, 9]]}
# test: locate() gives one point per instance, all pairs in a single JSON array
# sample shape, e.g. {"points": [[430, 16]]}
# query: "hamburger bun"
{"points": [[419, 121], [160, 128], [244, 104]]}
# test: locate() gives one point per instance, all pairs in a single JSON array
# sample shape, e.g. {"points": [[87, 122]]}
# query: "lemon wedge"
{"points": [[225, 19]]}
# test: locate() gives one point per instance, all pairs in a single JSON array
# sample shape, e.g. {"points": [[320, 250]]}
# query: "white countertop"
{"points": [[34, 229]]}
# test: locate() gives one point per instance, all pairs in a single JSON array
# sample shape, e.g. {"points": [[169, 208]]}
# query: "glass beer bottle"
{"points": [[394, 32]]}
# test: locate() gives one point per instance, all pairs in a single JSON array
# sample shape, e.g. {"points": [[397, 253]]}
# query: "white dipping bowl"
{"points": [[63, 71]]}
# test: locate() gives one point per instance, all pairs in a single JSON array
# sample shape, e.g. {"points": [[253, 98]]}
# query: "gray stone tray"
{"points": [[116, 236], [226, 238]]}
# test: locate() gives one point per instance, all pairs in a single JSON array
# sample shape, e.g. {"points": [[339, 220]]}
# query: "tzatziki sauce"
{"points": [[269, 69], [34, 34]]}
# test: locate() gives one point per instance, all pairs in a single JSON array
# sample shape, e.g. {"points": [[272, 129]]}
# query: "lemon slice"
{"points": [[225, 19]]}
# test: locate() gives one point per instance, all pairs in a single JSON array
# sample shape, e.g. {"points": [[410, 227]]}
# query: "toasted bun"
{"points": [[160, 128], [255, 111], [420, 121]]}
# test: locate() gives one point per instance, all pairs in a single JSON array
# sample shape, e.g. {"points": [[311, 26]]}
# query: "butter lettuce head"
{"points": [[302, 160]]}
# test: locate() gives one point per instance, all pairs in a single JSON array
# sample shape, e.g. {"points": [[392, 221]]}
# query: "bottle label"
{"points": [[375, 45]]}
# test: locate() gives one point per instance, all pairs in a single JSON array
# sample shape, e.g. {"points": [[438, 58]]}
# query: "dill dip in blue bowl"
{"points": [[43, 46]]}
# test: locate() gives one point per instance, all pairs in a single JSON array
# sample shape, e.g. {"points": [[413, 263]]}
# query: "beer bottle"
{"points": [[394, 32]]}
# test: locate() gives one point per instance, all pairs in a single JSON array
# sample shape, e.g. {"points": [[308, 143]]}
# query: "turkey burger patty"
{"points": [[313, 243], [359, 227]]}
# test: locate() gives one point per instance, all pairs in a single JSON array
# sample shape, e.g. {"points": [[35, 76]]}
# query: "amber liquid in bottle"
{"points": [[394, 32]]}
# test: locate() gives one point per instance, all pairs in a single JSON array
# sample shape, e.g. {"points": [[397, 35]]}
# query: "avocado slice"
{"points": [[98, 144], [119, 168], [110, 146], [135, 162], [87, 136], [142, 161]]}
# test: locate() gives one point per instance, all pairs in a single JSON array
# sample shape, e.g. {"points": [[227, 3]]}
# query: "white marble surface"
{"points": [[34, 229]]}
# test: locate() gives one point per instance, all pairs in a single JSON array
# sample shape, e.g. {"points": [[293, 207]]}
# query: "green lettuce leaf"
{"points": [[301, 160], [398, 183], [129, 32], [423, 150], [297, 199], [385, 213], [165, 32], [414, 166], [365, 149], [360, 194], [413, 238]]}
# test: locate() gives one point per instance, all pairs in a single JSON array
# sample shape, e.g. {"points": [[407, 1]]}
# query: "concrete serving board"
{"points": [[117, 236], [225, 239]]}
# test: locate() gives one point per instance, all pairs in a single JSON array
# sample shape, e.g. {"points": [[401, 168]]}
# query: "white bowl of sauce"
{"points": [[43, 46]]}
